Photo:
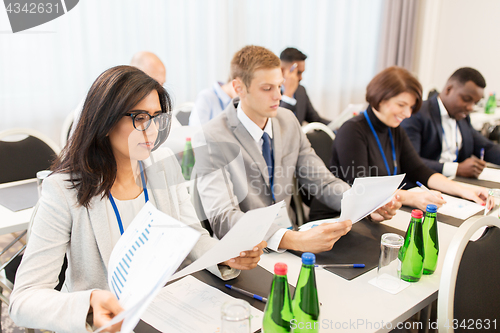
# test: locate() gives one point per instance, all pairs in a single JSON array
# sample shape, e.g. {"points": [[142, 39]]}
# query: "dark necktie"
{"points": [[268, 157]]}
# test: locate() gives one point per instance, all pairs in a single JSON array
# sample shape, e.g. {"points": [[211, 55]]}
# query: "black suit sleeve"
{"points": [[414, 129], [312, 115], [491, 149], [412, 164]]}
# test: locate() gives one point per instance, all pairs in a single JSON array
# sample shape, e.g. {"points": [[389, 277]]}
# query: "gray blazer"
{"points": [[62, 227], [232, 175]]}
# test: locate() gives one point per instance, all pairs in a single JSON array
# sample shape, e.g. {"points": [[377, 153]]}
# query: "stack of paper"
{"points": [[367, 195], [191, 306]]}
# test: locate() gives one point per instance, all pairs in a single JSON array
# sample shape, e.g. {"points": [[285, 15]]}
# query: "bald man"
{"points": [[147, 62], [150, 64]]}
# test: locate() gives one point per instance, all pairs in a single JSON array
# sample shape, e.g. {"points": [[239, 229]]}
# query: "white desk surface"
{"points": [[356, 301], [14, 221], [479, 118]]}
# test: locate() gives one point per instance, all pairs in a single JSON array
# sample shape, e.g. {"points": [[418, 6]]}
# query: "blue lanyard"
{"points": [[380, 147], [220, 100], [146, 197], [456, 141]]}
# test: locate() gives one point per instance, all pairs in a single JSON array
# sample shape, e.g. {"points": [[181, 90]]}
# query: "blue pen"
{"points": [[482, 154], [247, 293], [341, 266], [425, 188]]}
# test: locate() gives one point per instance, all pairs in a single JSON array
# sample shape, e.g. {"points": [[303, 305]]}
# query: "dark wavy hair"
{"points": [[88, 157]]}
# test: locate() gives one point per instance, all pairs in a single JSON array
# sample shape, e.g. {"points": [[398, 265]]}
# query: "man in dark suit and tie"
{"points": [[254, 149], [294, 96], [442, 133]]}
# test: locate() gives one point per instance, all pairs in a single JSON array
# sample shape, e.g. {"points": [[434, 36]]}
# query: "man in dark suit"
{"points": [[441, 131], [294, 96]]}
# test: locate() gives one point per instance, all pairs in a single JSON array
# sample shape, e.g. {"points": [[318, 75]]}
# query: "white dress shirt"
{"points": [[286, 99], [256, 132], [128, 210], [452, 142]]}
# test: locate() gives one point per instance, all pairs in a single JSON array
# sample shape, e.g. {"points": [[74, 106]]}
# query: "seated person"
{"points": [[211, 102], [441, 131], [373, 144], [295, 97], [125, 116], [255, 148]]}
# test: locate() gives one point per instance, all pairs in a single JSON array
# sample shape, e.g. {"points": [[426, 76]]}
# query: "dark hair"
{"points": [[88, 156], [465, 74], [249, 59], [391, 82], [291, 54]]}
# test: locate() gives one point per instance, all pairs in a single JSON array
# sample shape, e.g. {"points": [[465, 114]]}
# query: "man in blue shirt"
{"points": [[210, 102]]}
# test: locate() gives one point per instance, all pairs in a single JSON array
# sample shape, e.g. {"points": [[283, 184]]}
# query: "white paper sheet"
{"points": [[367, 195], [456, 207], [459, 208], [490, 174], [402, 284], [249, 231], [191, 306], [146, 255], [282, 220]]}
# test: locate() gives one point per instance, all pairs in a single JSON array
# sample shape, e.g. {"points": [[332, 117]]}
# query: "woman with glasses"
{"points": [[101, 180], [373, 144]]}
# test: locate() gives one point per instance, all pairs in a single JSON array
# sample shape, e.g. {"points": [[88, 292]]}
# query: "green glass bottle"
{"points": [[431, 242], [187, 160], [412, 252], [278, 311], [305, 304], [491, 104]]}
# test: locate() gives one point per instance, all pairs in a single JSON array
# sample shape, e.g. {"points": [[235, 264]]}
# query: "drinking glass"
{"points": [[235, 315], [389, 265]]}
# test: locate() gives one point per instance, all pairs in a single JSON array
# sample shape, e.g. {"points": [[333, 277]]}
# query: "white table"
{"points": [[14, 221], [354, 302], [479, 118]]}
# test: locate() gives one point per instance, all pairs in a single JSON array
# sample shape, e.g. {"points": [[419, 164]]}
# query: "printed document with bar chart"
{"points": [[144, 258]]}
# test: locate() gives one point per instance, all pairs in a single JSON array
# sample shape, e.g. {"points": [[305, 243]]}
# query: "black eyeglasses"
{"points": [[142, 120]]}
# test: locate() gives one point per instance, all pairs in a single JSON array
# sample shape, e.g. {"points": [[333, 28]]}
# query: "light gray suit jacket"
{"points": [[232, 175], [62, 227]]}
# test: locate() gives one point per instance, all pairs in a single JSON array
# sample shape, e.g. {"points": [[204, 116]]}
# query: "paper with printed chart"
{"points": [[191, 306], [368, 194], [143, 259]]}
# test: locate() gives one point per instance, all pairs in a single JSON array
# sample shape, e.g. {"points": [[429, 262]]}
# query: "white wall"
{"points": [[46, 71], [458, 33]]}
